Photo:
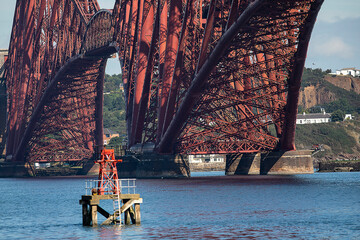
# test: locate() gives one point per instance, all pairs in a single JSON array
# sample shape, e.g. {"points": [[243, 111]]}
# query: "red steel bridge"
{"points": [[200, 76]]}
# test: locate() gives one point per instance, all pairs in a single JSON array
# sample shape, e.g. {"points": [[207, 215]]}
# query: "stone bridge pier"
{"points": [[152, 165], [272, 163]]}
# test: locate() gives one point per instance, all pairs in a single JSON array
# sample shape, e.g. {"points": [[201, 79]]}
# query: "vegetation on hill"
{"points": [[313, 77], [114, 105], [340, 139], [336, 137]]}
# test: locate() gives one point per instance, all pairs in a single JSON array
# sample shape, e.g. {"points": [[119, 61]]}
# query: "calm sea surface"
{"points": [[208, 205]]}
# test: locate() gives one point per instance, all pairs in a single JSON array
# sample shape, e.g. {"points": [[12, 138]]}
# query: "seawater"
{"points": [[206, 206]]}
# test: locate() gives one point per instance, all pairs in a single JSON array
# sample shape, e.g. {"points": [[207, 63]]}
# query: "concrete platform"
{"points": [[13, 169], [272, 163]]}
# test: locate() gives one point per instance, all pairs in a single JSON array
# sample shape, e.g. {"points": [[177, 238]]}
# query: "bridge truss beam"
{"points": [[54, 79], [200, 76], [214, 76]]}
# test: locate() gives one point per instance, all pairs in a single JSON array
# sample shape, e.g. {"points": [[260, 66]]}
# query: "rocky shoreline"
{"points": [[205, 167], [340, 166]]}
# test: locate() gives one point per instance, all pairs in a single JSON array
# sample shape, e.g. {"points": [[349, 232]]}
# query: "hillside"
{"points": [[341, 140], [114, 105], [319, 89]]}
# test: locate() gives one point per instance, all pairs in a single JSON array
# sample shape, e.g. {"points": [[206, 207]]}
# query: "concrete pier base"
{"points": [[152, 165], [14, 169], [272, 163]]}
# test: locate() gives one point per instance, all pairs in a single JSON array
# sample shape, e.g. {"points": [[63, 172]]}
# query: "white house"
{"points": [[348, 117], [210, 158], [3, 57], [348, 71], [311, 118]]}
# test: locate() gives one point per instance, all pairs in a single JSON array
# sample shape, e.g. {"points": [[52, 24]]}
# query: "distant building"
{"points": [[3, 56], [121, 86], [208, 158], [348, 117], [349, 71], [109, 134], [312, 118]]}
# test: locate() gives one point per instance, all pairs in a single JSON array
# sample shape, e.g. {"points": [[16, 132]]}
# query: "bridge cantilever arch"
{"points": [[200, 77]]}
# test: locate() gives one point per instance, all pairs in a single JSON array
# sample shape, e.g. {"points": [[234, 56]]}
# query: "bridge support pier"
{"points": [[151, 165], [15, 169], [272, 163]]}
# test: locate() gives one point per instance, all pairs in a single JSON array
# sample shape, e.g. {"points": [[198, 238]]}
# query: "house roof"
{"points": [[346, 69], [313, 116], [109, 131]]}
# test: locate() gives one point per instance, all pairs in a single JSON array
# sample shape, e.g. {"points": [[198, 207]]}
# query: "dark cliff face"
{"points": [[319, 93], [315, 95]]}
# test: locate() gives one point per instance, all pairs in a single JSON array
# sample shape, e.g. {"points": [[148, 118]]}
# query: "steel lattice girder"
{"points": [[57, 57], [199, 76], [213, 76]]}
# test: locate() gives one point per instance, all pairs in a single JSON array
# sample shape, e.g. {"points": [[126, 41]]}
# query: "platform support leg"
{"points": [[137, 213], [127, 217], [86, 214], [94, 215]]}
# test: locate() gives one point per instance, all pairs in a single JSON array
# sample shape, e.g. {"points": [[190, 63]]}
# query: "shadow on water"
{"points": [[220, 179]]}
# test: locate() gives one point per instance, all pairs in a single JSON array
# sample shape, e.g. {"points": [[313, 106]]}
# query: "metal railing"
{"points": [[127, 186]]}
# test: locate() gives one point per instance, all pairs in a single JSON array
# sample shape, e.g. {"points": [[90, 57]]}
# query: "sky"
{"points": [[333, 45]]}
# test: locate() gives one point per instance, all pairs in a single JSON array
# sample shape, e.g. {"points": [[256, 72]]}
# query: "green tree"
{"points": [[315, 109], [115, 141], [114, 104], [337, 116]]}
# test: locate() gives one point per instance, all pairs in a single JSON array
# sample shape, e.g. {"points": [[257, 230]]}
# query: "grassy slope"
{"points": [[338, 138]]}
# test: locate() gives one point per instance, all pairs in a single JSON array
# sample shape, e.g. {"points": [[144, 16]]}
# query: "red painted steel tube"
{"points": [[172, 44], [145, 63], [170, 106], [209, 28], [146, 94], [99, 123], [287, 141], [133, 35]]}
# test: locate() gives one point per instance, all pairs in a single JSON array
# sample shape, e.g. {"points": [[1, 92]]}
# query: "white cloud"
{"points": [[334, 10], [333, 47]]}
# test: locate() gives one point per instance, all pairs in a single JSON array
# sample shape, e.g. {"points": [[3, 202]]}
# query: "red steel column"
{"points": [[24, 44], [287, 141], [99, 123], [133, 32], [170, 106], [149, 35], [172, 44]]}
